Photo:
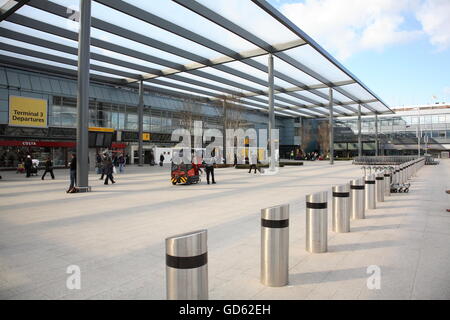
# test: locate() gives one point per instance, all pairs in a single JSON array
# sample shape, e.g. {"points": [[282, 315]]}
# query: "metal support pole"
{"points": [[376, 135], [141, 122], [84, 42], [419, 134], [271, 114], [187, 266], [275, 246], [359, 132], [331, 127], [224, 104]]}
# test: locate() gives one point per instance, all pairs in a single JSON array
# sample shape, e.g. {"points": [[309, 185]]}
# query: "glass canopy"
{"points": [[204, 48]]}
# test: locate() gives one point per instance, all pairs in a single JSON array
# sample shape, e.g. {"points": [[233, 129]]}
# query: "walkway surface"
{"points": [[116, 233]]}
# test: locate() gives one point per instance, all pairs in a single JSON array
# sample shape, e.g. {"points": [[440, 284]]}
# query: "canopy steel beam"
{"points": [[44, 27], [230, 26], [17, 6], [59, 59], [198, 62], [292, 27], [41, 67], [10, 34], [149, 18]]}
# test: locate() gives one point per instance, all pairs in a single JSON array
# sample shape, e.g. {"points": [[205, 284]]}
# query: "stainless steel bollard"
{"points": [[387, 183], [379, 186], [397, 175], [275, 246], [317, 222], [357, 199], [370, 192], [340, 221], [187, 266]]}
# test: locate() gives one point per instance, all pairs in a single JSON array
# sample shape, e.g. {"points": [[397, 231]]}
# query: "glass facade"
{"points": [[397, 133]]}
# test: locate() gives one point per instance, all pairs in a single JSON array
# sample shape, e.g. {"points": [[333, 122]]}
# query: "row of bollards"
{"points": [[187, 254]]}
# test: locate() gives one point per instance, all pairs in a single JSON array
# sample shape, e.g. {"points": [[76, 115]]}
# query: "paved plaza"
{"points": [[116, 233]]}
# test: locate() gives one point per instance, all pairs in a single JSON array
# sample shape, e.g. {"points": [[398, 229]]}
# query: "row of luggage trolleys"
{"points": [[395, 177]]}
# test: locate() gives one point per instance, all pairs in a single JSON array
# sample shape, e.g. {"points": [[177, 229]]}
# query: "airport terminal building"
{"points": [[115, 109], [110, 108]]}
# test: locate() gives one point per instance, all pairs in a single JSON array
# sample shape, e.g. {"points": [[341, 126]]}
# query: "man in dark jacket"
{"points": [[73, 174], [48, 168], [161, 160], [109, 170], [28, 165]]}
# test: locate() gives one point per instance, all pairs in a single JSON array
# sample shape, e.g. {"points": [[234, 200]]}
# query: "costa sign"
{"points": [[54, 144]]}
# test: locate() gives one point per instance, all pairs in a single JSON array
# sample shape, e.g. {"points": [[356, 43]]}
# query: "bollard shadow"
{"points": [[401, 194], [376, 228], [328, 276], [394, 215], [362, 246], [395, 207]]}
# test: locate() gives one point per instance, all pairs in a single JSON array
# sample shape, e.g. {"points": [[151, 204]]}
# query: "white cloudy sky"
{"points": [[400, 48]]}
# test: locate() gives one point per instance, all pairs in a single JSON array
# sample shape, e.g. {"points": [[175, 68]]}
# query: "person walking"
{"points": [[253, 164], [48, 168], [152, 158], [109, 170], [121, 163], [103, 165], [448, 192], [98, 163], [73, 174], [161, 160], [28, 165]]}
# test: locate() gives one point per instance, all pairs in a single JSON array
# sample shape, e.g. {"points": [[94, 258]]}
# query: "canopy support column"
{"points": [[271, 115], [141, 122], [359, 132], [376, 134], [331, 127], [84, 40]]}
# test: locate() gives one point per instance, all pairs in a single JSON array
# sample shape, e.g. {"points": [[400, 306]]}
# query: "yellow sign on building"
{"points": [[27, 112], [146, 136]]}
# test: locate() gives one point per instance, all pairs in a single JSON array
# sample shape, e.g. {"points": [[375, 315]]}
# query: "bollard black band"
{"points": [[387, 175], [341, 194], [320, 205], [275, 223], [357, 187], [187, 262], [369, 182], [379, 178]]}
